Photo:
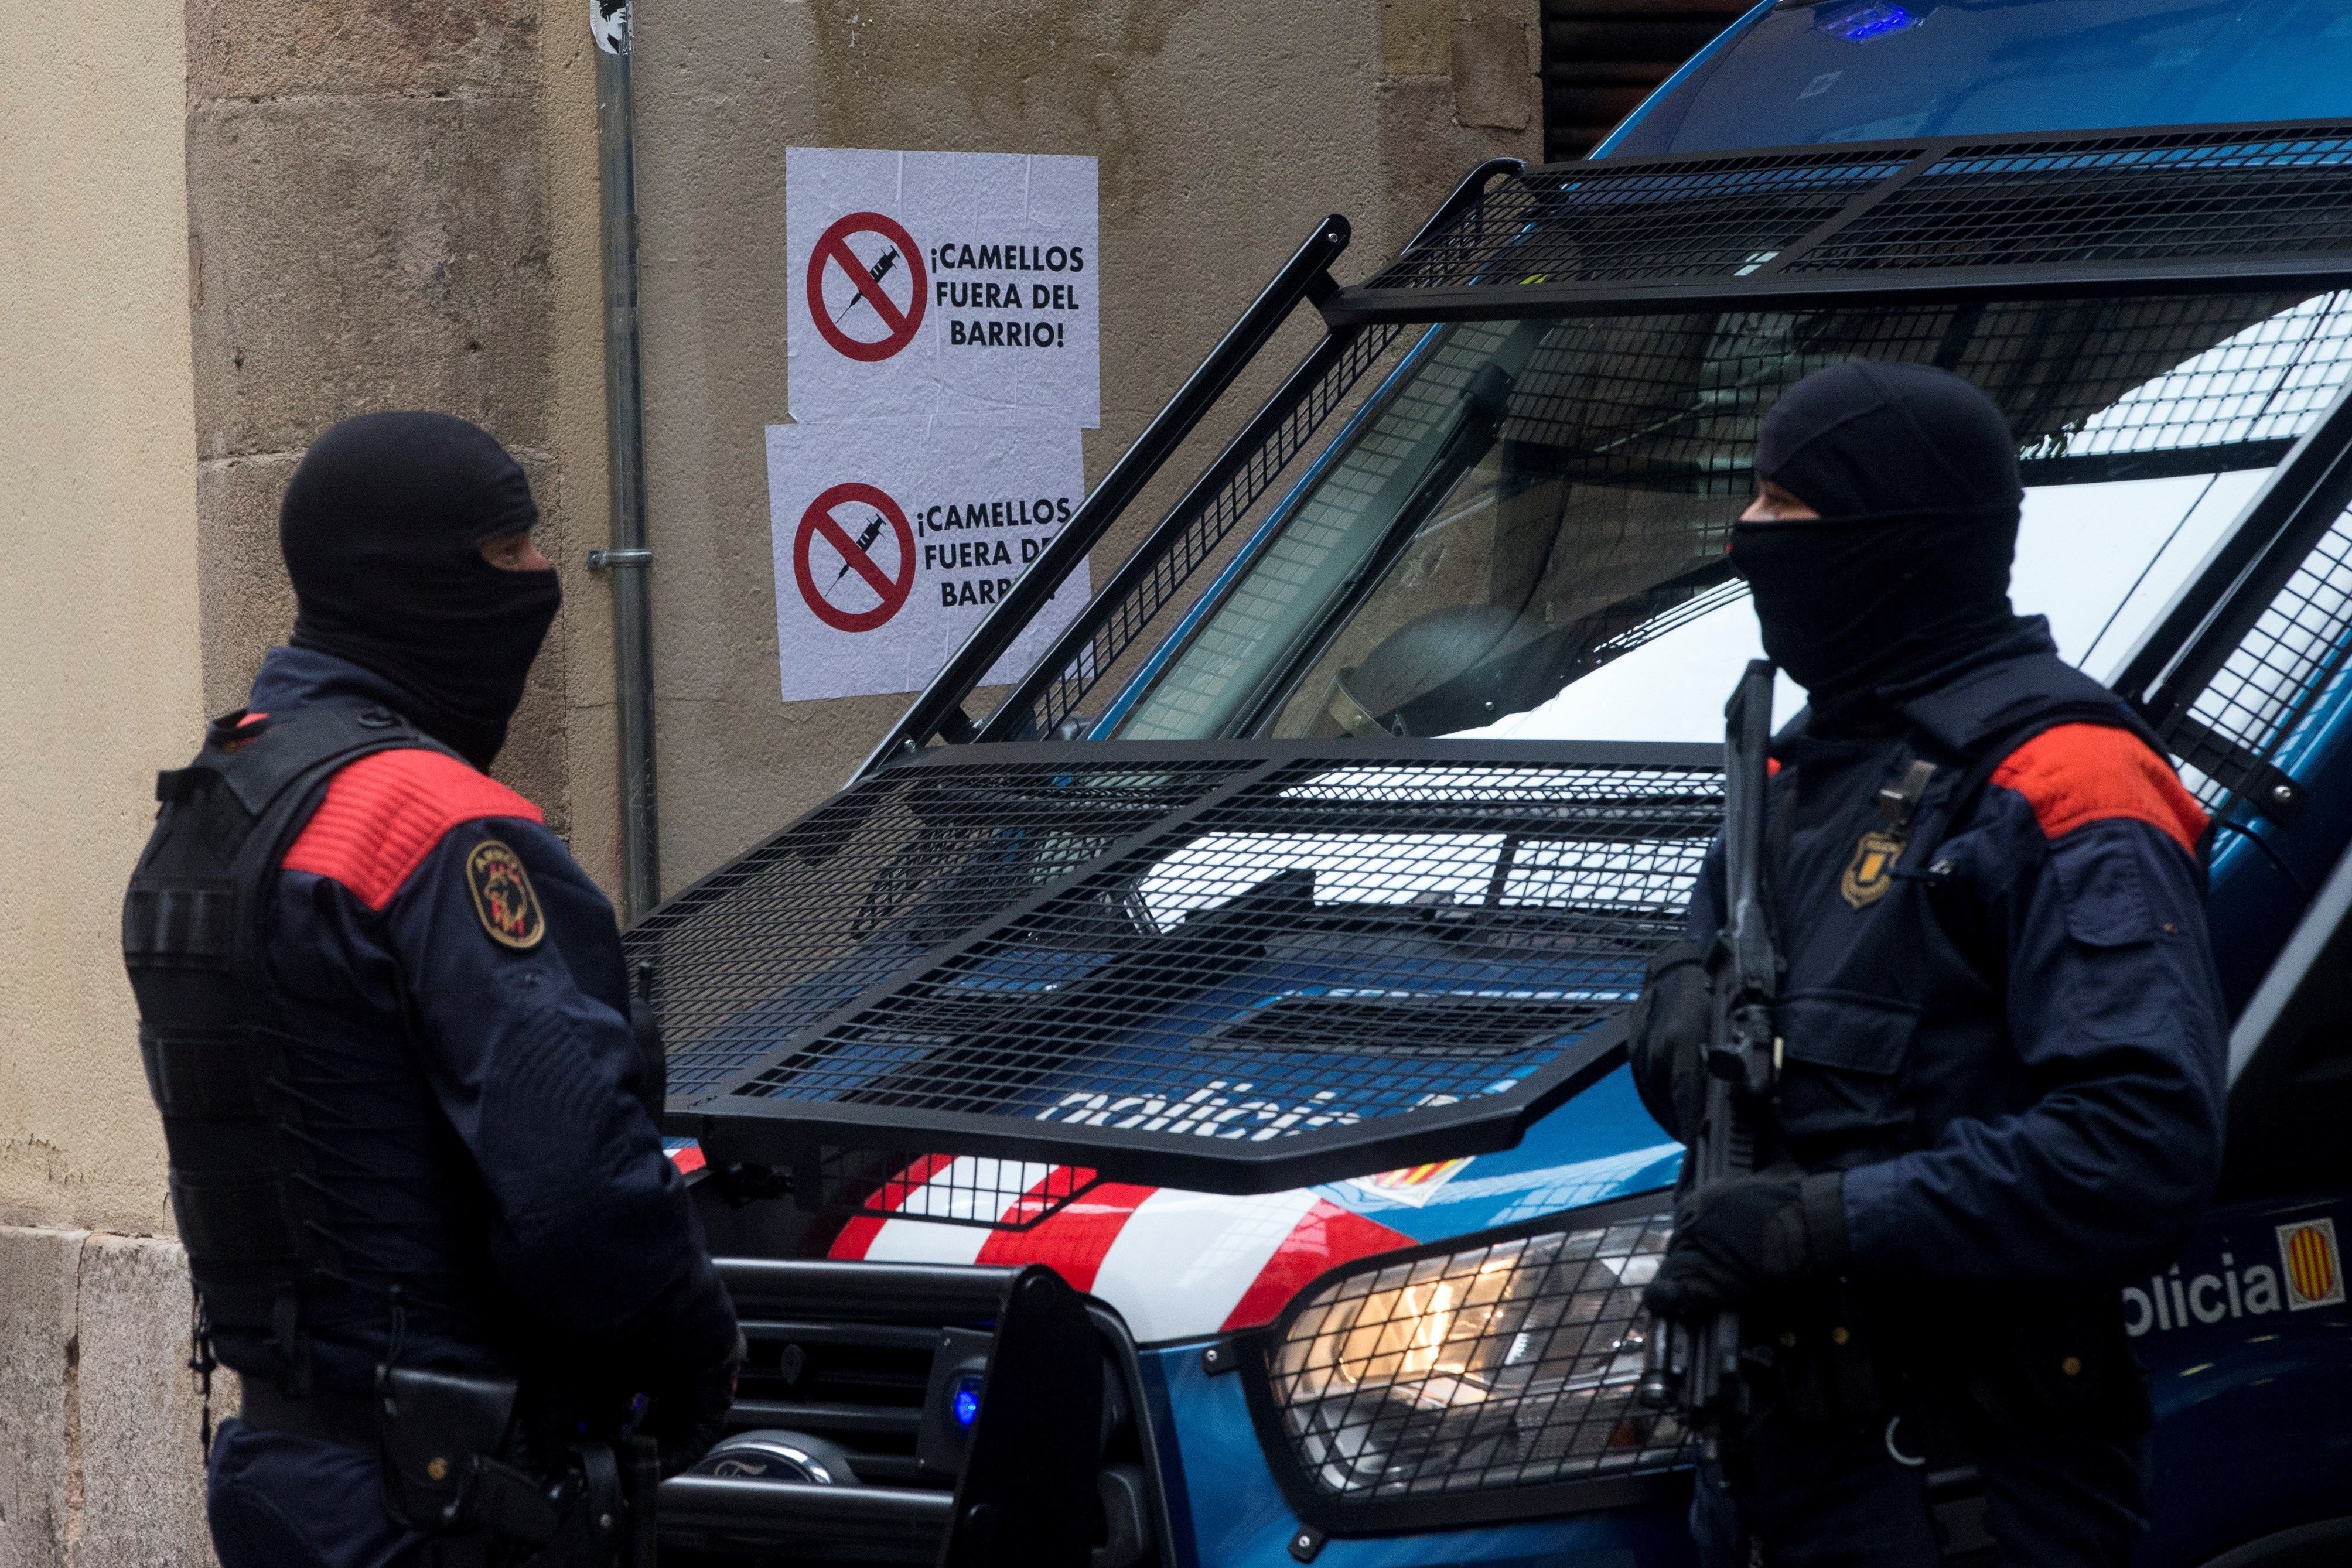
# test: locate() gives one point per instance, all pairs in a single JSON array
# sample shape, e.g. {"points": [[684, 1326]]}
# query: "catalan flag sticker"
{"points": [[2311, 1263], [1413, 1186]]}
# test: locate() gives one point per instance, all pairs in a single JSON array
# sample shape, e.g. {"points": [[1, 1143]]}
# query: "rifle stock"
{"points": [[1696, 1367]]}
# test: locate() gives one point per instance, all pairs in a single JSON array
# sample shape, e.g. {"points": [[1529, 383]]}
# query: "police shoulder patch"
{"points": [[503, 896], [1871, 871]]}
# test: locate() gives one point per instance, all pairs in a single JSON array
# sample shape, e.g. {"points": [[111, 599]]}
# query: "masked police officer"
{"points": [[384, 1015], [2000, 1095]]}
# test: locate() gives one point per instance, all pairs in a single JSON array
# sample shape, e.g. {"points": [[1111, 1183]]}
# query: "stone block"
{"points": [[263, 49], [142, 1461], [1494, 80], [1427, 149], [1415, 36], [40, 1493], [358, 254], [248, 605]]}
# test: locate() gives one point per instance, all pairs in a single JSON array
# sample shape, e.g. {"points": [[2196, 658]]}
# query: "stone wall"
{"points": [[376, 193], [100, 1463]]}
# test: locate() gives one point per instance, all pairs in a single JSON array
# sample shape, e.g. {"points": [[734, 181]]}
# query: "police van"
{"points": [[1177, 1114]]}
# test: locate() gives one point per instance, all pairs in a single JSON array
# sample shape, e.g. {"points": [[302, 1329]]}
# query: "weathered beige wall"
{"points": [[100, 650], [98, 641], [1225, 129]]}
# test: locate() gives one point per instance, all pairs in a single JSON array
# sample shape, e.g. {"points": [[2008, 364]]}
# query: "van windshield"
{"points": [[1523, 534]]}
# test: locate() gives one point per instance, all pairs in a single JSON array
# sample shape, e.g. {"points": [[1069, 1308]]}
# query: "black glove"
{"points": [[692, 1349], [1669, 1033], [1742, 1239], [690, 1416]]}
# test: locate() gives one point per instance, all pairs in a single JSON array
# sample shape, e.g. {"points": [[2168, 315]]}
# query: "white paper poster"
{"points": [[894, 538], [959, 283]]}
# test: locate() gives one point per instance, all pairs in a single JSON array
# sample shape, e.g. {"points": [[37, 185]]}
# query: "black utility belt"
{"points": [[445, 1442], [346, 1419], [2069, 1368]]}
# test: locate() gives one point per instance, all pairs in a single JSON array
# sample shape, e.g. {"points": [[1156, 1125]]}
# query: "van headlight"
{"points": [[1508, 1364]]}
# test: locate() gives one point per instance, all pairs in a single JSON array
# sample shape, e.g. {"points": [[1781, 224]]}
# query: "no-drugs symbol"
{"points": [[870, 300], [858, 561]]}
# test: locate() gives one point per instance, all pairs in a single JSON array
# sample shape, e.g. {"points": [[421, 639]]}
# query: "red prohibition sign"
{"points": [[855, 557], [832, 249]]}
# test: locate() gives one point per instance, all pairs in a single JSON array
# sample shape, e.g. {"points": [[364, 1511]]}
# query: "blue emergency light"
{"points": [[1867, 20], [966, 1404]]}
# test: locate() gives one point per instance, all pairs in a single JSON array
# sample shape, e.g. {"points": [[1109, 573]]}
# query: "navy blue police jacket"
{"points": [[460, 1022], [2007, 1033]]}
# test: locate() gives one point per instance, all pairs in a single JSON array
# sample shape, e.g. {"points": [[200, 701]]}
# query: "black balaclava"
{"points": [[1913, 472], [382, 527]]}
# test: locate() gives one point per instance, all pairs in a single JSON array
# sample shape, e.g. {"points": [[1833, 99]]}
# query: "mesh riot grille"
{"points": [[1599, 520], [989, 1194], [2285, 668], [1255, 968], [2096, 388], [2158, 196], [1112, 952], [1113, 622], [1509, 1364], [864, 885], [1644, 220], [2015, 209]]}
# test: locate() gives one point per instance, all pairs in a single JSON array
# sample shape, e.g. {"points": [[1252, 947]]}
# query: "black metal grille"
{"points": [[1607, 409], [1419, 1388], [2226, 205], [864, 885], [1295, 959], [1115, 621], [2292, 662], [1645, 220], [2161, 196], [2096, 388], [892, 1183]]}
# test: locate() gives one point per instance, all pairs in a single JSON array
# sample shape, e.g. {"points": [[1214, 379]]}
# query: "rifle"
{"points": [[1697, 1368]]}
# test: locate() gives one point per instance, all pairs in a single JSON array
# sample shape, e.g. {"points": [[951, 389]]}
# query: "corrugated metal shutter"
{"points": [[1601, 58]]}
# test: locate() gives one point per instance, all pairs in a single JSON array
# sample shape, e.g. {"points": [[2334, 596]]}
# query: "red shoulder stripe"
{"points": [[2077, 774], [384, 813]]}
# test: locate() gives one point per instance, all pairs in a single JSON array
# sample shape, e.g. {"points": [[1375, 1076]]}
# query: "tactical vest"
{"points": [[1872, 946], [1889, 1012], [210, 1021]]}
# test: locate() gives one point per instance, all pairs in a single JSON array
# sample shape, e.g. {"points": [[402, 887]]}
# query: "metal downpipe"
{"points": [[627, 559]]}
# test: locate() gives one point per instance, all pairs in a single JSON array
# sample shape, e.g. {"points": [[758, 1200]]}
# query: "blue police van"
{"points": [[1176, 1112]]}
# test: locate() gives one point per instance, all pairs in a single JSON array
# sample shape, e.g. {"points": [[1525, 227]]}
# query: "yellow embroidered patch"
{"points": [[1871, 871], [503, 895]]}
